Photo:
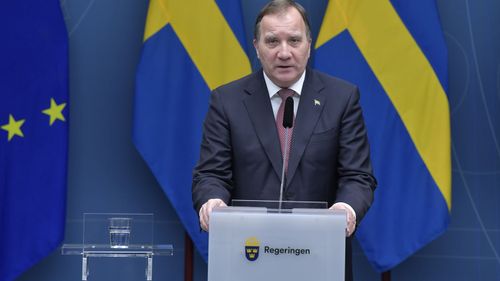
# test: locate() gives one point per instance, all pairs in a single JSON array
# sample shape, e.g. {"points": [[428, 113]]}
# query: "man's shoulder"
{"points": [[240, 84]]}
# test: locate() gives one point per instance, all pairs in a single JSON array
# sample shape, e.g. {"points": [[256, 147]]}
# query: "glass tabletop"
{"points": [[105, 250]]}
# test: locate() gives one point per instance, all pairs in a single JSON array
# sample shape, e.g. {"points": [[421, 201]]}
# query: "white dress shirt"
{"points": [[273, 89]]}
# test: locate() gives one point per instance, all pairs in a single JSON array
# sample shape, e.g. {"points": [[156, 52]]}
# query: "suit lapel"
{"points": [[260, 111], [311, 105]]}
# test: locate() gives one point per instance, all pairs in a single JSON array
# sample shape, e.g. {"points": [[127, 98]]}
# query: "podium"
{"points": [[255, 243]]}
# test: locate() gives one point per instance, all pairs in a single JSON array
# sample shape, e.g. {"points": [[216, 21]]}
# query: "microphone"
{"points": [[287, 124], [288, 113]]}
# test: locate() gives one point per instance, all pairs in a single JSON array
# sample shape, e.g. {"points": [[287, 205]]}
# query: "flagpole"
{"points": [[386, 276], [188, 258]]}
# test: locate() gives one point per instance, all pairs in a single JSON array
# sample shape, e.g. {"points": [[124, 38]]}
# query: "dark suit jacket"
{"points": [[240, 154]]}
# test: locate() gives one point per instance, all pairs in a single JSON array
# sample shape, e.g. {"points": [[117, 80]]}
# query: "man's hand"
{"points": [[350, 216], [206, 210]]}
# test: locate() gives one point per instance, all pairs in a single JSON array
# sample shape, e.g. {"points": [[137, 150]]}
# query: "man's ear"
{"points": [[309, 52], [256, 48]]}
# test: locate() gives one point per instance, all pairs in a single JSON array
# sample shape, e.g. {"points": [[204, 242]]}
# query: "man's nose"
{"points": [[284, 51]]}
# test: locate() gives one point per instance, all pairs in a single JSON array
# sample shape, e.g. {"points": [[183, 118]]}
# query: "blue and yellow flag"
{"points": [[190, 47], [395, 52], [33, 132]]}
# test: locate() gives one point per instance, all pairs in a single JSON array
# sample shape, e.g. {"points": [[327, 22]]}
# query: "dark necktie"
{"points": [[284, 94]]}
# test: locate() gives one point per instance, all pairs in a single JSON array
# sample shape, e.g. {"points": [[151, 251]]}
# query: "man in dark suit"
{"points": [[241, 152]]}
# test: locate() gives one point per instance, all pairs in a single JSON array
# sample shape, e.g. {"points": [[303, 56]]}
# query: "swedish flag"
{"points": [[33, 132], [395, 52], [190, 47]]}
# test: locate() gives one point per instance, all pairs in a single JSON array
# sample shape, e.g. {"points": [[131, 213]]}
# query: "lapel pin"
{"points": [[316, 102]]}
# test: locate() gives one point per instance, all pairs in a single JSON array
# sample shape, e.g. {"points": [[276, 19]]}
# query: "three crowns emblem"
{"points": [[252, 246]]}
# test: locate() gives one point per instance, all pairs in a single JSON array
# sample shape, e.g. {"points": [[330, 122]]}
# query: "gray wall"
{"points": [[107, 175]]}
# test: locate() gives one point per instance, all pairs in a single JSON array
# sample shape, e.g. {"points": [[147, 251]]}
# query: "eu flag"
{"points": [[33, 132], [190, 47], [395, 51]]}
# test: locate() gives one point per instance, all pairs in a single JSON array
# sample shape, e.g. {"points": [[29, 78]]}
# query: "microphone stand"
{"points": [[283, 179], [287, 124]]}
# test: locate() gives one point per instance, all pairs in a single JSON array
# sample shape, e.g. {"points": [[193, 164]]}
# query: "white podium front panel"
{"points": [[252, 244]]}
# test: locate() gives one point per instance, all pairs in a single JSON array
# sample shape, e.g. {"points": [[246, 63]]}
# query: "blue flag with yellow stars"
{"points": [[33, 132]]}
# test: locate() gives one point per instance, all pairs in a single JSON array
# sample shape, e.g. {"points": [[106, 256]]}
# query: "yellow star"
{"points": [[55, 111], [14, 127]]}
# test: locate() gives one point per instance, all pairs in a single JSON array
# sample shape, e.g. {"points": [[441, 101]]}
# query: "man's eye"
{"points": [[294, 41], [272, 41]]}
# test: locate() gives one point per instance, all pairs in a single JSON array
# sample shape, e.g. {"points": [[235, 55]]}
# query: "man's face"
{"points": [[283, 47]]}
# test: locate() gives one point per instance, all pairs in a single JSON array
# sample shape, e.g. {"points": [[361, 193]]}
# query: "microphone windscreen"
{"points": [[288, 113]]}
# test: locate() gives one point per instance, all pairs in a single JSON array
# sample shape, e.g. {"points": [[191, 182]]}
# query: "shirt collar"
{"points": [[273, 89]]}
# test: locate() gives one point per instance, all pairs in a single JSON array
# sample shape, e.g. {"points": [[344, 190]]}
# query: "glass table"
{"points": [[117, 235], [105, 251]]}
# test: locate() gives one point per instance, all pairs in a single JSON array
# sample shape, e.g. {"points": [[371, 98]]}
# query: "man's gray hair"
{"points": [[280, 6]]}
